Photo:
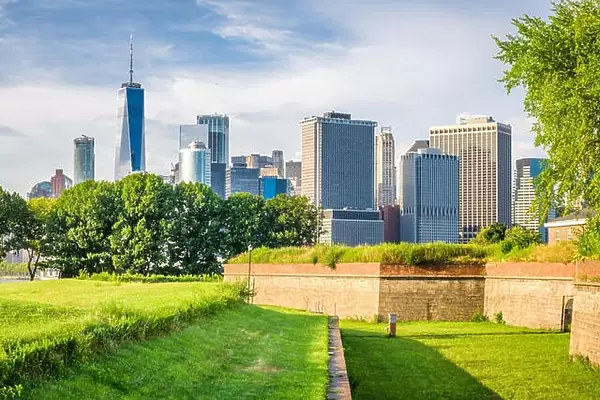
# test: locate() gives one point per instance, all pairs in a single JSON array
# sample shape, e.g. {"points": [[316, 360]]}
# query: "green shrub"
{"points": [[138, 278], [479, 316], [499, 318], [105, 328], [7, 269]]}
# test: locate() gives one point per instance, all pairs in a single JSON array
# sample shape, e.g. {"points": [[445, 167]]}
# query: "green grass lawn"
{"points": [[31, 309], [447, 360], [243, 353]]}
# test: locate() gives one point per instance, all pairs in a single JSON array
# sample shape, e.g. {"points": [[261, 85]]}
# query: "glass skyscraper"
{"points": [[240, 179], [84, 159], [194, 164], [130, 154], [218, 135]]}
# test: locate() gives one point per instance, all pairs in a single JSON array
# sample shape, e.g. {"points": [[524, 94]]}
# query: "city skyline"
{"points": [[253, 77]]}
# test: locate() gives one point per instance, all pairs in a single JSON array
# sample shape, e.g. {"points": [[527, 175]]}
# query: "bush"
{"points": [[479, 316], [499, 318], [110, 325], [138, 278]]}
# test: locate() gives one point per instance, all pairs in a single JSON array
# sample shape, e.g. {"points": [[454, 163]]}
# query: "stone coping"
{"points": [[339, 384]]}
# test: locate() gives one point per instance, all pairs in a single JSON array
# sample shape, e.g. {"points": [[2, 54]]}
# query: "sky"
{"points": [[266, 63]]}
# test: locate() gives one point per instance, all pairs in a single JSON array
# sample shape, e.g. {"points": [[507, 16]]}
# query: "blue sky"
{"points": [[267, 63]]}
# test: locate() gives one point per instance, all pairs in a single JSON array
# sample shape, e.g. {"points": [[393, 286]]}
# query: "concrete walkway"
{"points": [[339, 386]]}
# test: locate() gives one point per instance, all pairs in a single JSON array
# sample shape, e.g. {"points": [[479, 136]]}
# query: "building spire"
{"points": [[131, 59]]}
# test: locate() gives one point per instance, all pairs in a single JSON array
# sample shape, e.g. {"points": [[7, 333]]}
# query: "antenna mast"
{"points": [[131, 60]]}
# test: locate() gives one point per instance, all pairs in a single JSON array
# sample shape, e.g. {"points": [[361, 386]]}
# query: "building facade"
{"points": [[524, 196], [59, 182], [428, 184], [189, 134], [338, 161], [483, 147], [217, 178], [569, 227], [130, 154], [385, 170], [84, 163], [278, 162], [293, 171], [239, 179], [39, 190], [272, 186], [352, 227], [218, 135], [195, 164]]}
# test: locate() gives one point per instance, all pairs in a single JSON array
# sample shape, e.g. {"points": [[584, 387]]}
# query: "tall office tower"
{"points": [[527, 170], [194, 164], [238, 159], [272, 186], [218, 135], [483, 147], [278, 162], [189, 134], [217, 178], [385, 172], [59, 182], [338, 161], [239, 179], [293, 171], [428, 196], [258, 161], [130, 154], [84, 160]]}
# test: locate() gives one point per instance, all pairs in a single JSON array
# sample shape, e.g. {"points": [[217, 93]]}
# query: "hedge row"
{"points": [[22, 360], [139, 278]]}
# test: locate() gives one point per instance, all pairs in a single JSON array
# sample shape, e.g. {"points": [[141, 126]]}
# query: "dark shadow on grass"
{"points": [[458, 335], [404, 368]]}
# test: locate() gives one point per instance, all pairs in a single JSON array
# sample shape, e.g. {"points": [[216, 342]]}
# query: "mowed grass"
{"points": [[246, 352], [447, 360], [42, 308]]}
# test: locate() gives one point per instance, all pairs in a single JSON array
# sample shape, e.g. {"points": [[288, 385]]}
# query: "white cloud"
{"points": [[402, 67]]}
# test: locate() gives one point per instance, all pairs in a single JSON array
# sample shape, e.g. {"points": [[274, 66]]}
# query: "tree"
{"points": [[518, 237], [244, 223], [81, 227], [138, 242], [494, 233], [292, 221], [557, 62], [195, 236], [8, 218]]}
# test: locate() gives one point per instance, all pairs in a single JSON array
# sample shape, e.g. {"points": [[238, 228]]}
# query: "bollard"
{"points": [[392, 325]]}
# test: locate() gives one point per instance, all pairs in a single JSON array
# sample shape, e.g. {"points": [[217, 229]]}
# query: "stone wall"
{"points": [[585, 334], [532, 295], [348, 291]]}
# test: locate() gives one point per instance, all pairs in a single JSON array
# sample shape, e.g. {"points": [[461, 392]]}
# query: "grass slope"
{"points": [[246, 352], [433, 360]]}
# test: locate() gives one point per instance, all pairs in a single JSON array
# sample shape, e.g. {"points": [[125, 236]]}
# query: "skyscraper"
{"points": [[130, 154], [271, 186], [385, 171], [278, 161], [59, 182], [84, 159], [527, 170], [293, 171], [484, 150], [194, 164], [428, 196], [189, 134], [338, 161], [239, 179], [218, 135]]}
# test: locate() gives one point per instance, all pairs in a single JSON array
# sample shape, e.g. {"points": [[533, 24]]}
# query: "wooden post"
{"points": [[392, 325]]}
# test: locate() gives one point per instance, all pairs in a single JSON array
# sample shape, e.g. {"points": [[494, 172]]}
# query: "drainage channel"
{"points": [[339, 386]]}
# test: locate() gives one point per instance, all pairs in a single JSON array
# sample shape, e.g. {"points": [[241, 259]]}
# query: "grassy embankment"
{"points": [[447, 360], [408, 254], [48, 326]]}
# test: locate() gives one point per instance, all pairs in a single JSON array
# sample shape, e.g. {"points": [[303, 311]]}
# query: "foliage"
{"points": [[519, 238], [243, 353], [588, 242], [244, 223], [7, 269], [562, 252], [479, 316], [557, 62], [292, 221], [499, 318], [463, 360], [80, 333], [131, 278], [402, 253], [492, 234]]}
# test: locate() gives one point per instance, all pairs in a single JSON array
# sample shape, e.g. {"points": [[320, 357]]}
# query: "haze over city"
{"points": [[267, 64]]}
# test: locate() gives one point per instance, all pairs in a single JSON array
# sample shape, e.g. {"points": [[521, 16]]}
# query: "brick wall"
{"points": [[563, 233], [585, 334], [529, 294], [349, 291], [431, 298]]}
